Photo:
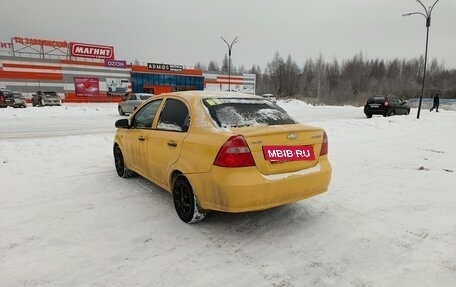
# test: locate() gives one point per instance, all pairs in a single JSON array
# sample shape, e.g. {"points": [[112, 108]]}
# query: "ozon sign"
{"points": [[115, 63], [91, 51]]}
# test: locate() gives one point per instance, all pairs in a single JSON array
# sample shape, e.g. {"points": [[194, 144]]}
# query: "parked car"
{"points": [[386, 105], [222, 151], [131, 102], [46, 98], [6, 98], [19, 100]]}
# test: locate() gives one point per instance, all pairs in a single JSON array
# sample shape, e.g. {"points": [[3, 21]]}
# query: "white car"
{"points": [[19, 100], [131, 102], [46, 98]]}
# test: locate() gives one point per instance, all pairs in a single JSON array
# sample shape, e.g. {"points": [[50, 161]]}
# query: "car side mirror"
{"points": [[122, 124]]}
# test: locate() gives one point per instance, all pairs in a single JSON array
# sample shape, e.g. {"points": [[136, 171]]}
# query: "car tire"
{"points": [[407, 112], [185, 201], [119, 162], [121, 112], [369, 116], [391, 113]]}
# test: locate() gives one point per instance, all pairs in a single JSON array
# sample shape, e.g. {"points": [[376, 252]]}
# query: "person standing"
{"points": [[436, 103]]}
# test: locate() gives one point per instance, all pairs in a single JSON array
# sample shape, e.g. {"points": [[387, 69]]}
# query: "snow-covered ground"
{"points": [[67, 219]]}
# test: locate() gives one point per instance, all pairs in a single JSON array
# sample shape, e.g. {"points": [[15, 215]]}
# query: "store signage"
{"points": [[115, 63], [91, 51], [84, 86], [117, 86], [40, 42], [5, 45], [165, 67]]}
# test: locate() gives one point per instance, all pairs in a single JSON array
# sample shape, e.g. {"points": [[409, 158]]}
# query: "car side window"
{"points": [[174, 116], [144, 117]]}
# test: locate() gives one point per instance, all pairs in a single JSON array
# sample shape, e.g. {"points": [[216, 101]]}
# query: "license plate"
{"points": [[288, 153], [375, 105]]}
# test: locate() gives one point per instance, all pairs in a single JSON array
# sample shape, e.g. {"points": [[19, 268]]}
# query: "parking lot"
{"points": [[67, 219]]}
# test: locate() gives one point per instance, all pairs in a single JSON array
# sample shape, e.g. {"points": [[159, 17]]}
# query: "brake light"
{"points": [[234, 153], [386, 103], [324, 144]]}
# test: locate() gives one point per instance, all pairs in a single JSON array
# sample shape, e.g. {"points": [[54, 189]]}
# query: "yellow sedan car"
{"points": [[223, 151]]}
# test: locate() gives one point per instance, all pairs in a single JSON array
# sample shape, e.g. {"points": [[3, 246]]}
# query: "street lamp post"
{"points": [[426, 15], [230, 46]]}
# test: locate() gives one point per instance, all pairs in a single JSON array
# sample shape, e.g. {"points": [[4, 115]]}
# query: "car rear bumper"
{"points": [[376, 111], [7, 104], [53, 103], [245, 189]]}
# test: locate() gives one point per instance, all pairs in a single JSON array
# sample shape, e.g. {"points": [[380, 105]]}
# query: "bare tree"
{"points": [[213, 67], [225, 64], [199, 66], [352, 81]]}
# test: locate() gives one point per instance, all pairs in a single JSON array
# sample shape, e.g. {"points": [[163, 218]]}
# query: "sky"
{"points": [[186, 32], [387, 219]]}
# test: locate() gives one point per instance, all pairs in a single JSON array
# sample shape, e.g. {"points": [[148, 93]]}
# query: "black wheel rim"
{"points": [[119, 161], [183, 200]]}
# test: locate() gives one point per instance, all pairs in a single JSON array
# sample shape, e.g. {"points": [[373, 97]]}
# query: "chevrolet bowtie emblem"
{"points": [[292, 136]]}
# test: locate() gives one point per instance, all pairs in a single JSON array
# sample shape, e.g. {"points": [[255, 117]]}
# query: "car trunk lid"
{"points": [[283, 148]]}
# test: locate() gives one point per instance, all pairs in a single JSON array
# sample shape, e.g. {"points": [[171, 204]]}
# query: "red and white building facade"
{"points": [[81, 72]]}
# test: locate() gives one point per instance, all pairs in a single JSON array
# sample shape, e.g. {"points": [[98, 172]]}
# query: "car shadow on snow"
{"points": [[286, 218], [292, 213]]}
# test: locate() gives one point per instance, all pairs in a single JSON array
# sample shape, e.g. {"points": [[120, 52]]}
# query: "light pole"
{"points": [[229, 58], [426, 15]]}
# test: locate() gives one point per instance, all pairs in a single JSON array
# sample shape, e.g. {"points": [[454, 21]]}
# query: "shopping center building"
{"points": [[81, 72]]}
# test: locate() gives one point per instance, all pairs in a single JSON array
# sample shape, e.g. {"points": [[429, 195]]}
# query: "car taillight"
{"points": [[234, 153], [324, 144], [386, 103]]}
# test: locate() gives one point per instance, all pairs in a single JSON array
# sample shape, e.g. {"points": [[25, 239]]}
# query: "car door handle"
{"points": [[141, 138], [172, 143]]}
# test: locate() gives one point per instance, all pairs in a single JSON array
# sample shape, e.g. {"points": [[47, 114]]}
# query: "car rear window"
{"points": [[144, 97], [7, 94], [239, 112], [376, 100]]}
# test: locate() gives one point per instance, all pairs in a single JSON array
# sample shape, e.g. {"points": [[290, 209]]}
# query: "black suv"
{"points": [[6, 98], [386, 105]]}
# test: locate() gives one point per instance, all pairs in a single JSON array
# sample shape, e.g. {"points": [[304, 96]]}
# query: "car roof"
{"points": [[142, 94], [210, 94]]}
